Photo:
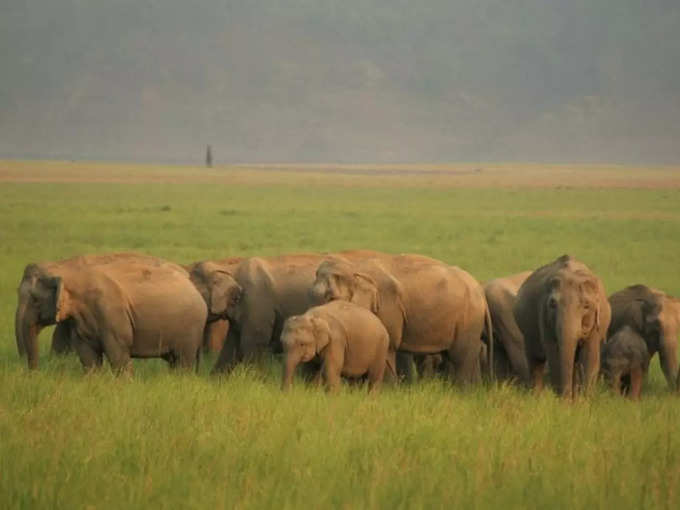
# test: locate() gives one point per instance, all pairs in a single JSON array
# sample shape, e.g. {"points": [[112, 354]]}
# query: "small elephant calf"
{"points": [[625, 361], [348, 339]]}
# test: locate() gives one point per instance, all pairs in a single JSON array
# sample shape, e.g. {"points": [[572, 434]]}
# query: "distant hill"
{"points": [[341, 81]]}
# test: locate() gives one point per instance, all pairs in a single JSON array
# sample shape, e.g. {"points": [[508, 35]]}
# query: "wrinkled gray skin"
{"points": [[349, 341], [625, 362], [61, 337], [126, 308], [426, 306], [510, 361], [653, 315], [273, 289], [563, 314]]}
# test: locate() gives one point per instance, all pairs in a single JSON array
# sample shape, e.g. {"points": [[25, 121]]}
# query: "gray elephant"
{"points": [[510, 361], [426, 306], [349, 340], [273, 289], [563, 314], [61, 336], [625, 361], [655, 316], [215, 282], [128, 307]]}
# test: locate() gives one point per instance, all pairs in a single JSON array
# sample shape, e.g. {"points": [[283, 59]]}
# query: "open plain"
{"points": [[165, 440]]}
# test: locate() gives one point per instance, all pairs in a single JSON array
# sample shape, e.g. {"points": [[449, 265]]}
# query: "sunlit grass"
{"points": [[162, 439]]}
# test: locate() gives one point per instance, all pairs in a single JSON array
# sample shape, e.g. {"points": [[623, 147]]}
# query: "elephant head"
{"points": [[42, 301], [656, 317], [339, 280], [303, 337], [568, 316], [219, 289]]}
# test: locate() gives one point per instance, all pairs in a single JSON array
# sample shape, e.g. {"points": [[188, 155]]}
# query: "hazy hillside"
{"points": [[331, 80]]}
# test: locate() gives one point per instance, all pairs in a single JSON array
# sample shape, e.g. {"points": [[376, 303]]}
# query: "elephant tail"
{"points": [[488, 326], [393, 369]]}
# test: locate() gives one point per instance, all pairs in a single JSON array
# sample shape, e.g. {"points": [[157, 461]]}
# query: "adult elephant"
{"points": [[655, 316], [427, 307], [61, 336], [217, 326], [128, 307], [273, 289], [510, 360], [563, 313]]}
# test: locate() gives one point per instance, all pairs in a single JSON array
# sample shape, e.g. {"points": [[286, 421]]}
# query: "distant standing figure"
{"points": [[208, 157]]}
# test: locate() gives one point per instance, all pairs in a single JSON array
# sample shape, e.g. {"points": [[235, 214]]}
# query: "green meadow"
{"points": [[166, 440]]}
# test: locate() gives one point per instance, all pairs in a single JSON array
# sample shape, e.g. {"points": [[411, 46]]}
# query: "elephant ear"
{"points": [[322, 333], [366, 292], [57, 307], [224, 293]]}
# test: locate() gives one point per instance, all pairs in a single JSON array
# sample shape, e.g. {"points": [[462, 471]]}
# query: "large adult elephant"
{"points": [[655, 316], [426, 306], [61, 336], [273, 289], [510, 360], [563, 312], [129, 307]]}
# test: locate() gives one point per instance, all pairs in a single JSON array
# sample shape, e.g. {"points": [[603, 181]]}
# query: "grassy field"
{"points": [[191, 441]]}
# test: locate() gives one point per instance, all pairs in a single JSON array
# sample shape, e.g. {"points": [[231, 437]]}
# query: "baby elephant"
{"points": [[625, 361], [349, 341]]}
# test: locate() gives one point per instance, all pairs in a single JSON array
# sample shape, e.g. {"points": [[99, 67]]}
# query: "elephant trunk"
{"points": [[567, 339], [29, 330], [316, 294], [18, 329], [291, 363]]}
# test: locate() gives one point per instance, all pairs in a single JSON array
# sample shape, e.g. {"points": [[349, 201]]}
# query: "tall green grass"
{"points": [[170, 440]]}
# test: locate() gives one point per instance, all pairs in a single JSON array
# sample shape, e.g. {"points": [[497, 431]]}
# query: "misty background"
{"points": [[341, 80]]}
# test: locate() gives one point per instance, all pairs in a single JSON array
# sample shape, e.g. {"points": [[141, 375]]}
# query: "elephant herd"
{"points": [[355, 314]]}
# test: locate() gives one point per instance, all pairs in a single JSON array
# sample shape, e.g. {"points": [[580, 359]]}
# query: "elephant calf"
{"points": [[349, 340], [625, 361]]}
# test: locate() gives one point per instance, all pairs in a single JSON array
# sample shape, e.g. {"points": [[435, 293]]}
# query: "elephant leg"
{"points": [[635, 383], [464, 354], [333, 361], [405, 369], [186, 357], [589, 363], [517, 360], [376, 372], [255, 339], [668, 357], [616, 383], [214, 335], [230, 353], [117, 354], [331, 373], [537, 371], [171, 359], [90, 358], [61, 339]]}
